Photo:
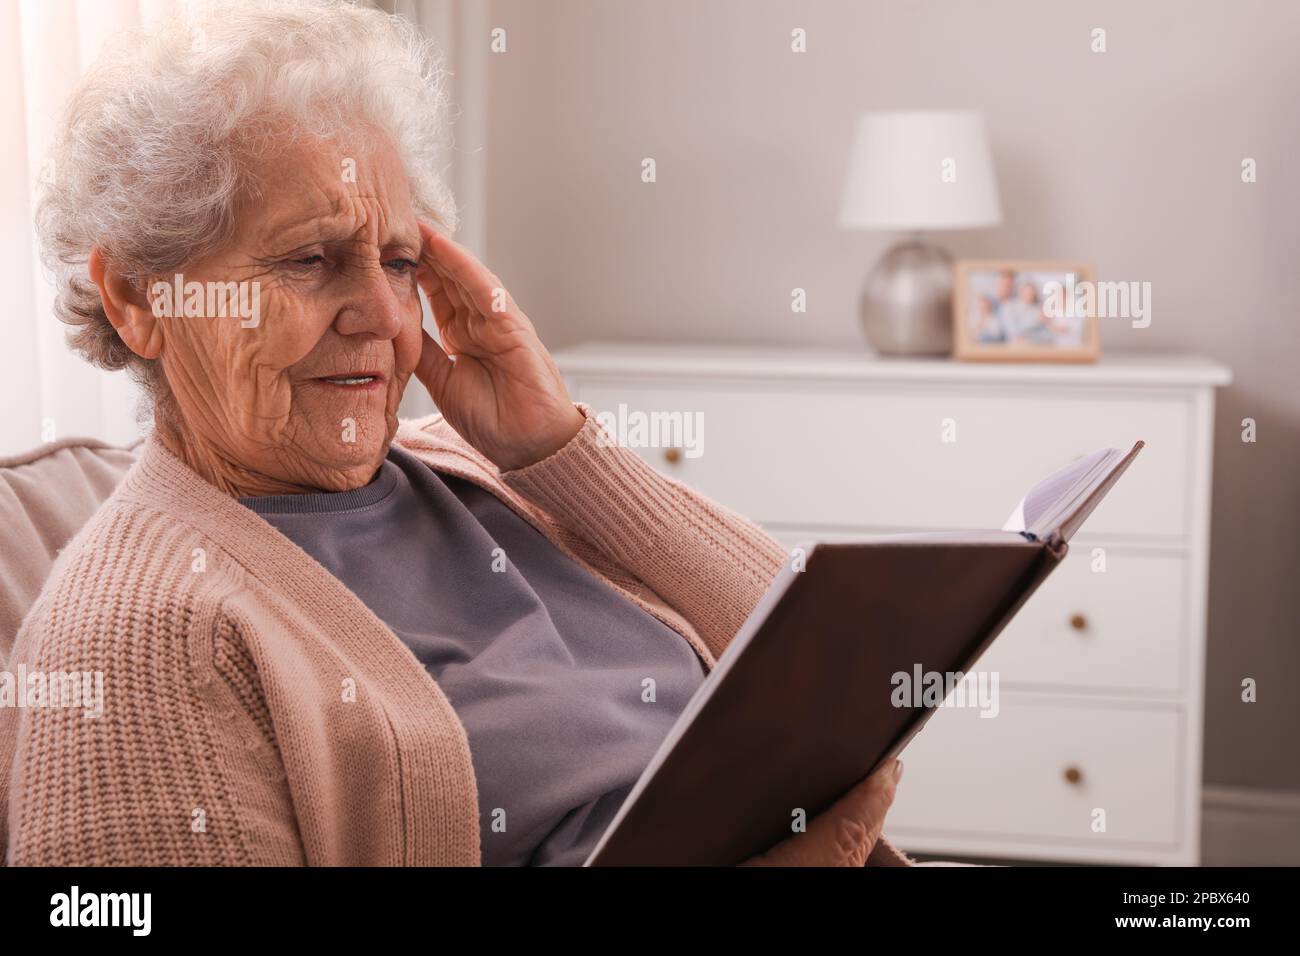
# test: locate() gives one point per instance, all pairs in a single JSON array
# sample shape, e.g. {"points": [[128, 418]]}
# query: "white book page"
{"points": [[1054, 495]]}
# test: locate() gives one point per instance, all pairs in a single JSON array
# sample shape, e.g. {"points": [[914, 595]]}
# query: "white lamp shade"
{"points": [[920, 169]]}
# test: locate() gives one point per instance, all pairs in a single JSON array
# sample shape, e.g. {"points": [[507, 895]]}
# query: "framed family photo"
{"points": [[1015, 310]]}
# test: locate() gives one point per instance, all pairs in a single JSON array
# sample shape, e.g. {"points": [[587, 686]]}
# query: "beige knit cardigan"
{"points": [[257, 712]]}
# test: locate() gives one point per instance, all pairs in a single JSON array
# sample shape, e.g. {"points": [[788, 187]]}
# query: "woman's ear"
{"points": [[127, 307]]}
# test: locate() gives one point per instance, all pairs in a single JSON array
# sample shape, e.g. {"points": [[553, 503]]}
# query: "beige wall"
{"points": [[1130, 159]]}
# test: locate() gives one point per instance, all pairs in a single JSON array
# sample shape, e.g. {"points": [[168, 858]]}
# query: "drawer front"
{"points": [[1007, 776], [1117, 630], [869, 458]]}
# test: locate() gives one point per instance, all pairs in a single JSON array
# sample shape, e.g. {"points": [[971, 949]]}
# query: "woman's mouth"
{"points": [[357, 381]]}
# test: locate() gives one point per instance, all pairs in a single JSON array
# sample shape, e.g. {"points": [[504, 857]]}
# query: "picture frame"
{"points": [[1001, 312]]}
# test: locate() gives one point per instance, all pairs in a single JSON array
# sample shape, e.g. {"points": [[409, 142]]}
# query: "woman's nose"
{"points": [[369, 319], [371, 307]]}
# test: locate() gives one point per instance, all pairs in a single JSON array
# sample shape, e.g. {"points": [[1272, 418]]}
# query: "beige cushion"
{"points": [[46, 495]]}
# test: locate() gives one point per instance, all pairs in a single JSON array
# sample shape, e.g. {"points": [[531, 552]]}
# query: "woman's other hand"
{"points": [[845, 833], [491, 378]]}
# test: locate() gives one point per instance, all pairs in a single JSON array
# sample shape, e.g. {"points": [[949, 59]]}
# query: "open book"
{"points": [[802, 704]]}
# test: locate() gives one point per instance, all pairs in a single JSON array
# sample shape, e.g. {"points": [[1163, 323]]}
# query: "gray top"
{"points": [[546, 665]]}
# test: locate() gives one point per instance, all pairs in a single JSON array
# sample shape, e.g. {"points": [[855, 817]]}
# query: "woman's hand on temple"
{"points": [[846, 832], [491, 378]]}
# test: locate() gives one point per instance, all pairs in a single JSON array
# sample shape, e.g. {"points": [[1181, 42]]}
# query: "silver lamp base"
{"points": [[907, 301]]}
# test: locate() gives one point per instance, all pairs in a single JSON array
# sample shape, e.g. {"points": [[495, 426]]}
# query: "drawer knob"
{"points": [[1078, 622], [1073, 775], [672, 455]]}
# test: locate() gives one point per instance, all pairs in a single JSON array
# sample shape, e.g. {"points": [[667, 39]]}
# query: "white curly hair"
{"points": [[152, 151]]}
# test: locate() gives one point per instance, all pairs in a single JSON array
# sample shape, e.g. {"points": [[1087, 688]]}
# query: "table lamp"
{"points": [[913, 171]]}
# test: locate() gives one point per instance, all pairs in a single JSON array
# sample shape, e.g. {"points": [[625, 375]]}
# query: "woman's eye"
{"points": [[308, 261], [401, 265]]}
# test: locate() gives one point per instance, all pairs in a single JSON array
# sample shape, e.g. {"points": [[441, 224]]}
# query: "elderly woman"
{"points": [[327, 636]]}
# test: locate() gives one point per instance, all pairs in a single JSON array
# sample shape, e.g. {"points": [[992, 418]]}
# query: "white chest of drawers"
{"points": [[1095, 755]]}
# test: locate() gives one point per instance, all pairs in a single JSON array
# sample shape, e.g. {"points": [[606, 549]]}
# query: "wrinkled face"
{"points": [[299, 384]]}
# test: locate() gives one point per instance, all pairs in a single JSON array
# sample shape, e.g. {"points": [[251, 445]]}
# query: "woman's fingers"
{"points": [[466, 297], [444, 307], [434, 366], [482, 290], [463, 298], [426, 274], [450, 304], [470, 286], [845, 833], [455, 296], [862, 812]]}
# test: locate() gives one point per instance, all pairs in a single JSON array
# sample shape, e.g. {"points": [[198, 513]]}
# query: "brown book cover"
{"points": [[808, 699]]}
